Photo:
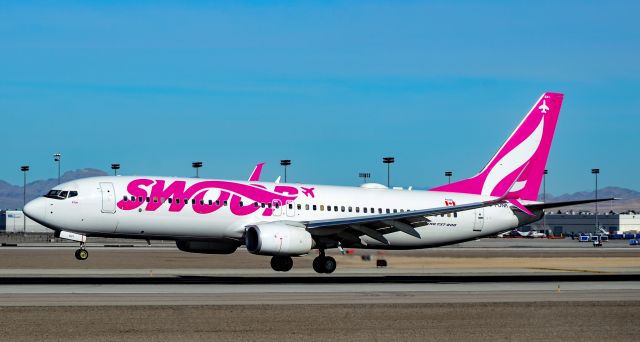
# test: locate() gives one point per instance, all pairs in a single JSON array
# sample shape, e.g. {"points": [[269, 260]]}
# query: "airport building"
{"points": [[568, 223], [13, 221]]}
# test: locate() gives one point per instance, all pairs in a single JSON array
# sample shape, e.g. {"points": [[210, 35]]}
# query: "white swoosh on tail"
{"points": [[513, 160]]}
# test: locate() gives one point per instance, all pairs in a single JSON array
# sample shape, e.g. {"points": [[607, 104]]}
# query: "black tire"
{"points": [[286, 264], [276, 264], [329, 265], [77, 254], [317, 264], [83, 254]]}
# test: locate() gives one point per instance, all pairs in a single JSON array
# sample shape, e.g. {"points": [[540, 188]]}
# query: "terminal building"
{"points": [[13, 221], [568, 223]]}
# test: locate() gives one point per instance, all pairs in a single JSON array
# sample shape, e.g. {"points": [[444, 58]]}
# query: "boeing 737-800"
{"points": [[289, 220]]}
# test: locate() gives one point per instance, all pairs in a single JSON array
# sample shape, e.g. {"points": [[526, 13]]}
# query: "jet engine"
{"points": [[208, 247], [278, 239]]}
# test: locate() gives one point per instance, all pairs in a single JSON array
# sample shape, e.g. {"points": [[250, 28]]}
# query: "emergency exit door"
{"points": [[108, 198], [478, 222]]}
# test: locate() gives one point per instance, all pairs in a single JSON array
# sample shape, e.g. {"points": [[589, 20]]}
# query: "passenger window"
{"points": [[241, 204], [342, 208], [277, 205], [162, 199], [455, 214], [262, 205], [185, 201], [306, 207], [299, 206], [364, 210], [178, 200], [225, 203], [315, 207], [388, 211], [379, 210], [335, 208], [350, 209], [170, 200], [218, 202], [290, 206], [395, 211], [125, 199], [193, 201], [255, 204], [269, 205], [210, 202], [402, 210], [148, 199], [133, 198], [140, 199], [373, 210], [321, 207]]}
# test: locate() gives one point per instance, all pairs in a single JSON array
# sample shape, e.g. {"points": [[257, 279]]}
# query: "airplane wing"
{"points": [[375, 226]]}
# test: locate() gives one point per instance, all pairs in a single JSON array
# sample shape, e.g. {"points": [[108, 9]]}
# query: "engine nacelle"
{"points": [[277, 238], [208, 247]]}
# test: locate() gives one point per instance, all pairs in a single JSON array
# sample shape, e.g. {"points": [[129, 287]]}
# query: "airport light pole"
{"points": [[56, 158], [364, 176], [285, 163], [544, 197], [596, 172], [448, 174], [24, 169], [388, 161], [115, 168], [197, 165]]}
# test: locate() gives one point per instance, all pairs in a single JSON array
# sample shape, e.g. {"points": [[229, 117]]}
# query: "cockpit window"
{"points": [[61, 194], [57, 194]]}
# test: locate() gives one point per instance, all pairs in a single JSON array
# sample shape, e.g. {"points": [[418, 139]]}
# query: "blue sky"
{"points": [[334, 86]]}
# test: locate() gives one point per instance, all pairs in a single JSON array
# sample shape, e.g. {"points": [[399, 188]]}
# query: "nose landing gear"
{"points": [[82, 253], [324, 264]]}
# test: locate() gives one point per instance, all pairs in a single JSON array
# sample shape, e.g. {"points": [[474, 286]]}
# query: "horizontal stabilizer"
{"points": [[547, 205]]}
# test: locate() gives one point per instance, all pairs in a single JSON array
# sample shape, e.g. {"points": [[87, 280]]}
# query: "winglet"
{"points": [[255, 175]]}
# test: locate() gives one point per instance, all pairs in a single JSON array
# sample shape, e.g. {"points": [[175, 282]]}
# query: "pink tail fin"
{"points": [[523, 156]]}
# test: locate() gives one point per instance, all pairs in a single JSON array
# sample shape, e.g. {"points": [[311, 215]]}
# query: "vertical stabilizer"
{"points": [[522, 156]]}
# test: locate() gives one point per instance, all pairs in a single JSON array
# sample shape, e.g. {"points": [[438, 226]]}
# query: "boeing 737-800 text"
{"points": [[288, 220]]}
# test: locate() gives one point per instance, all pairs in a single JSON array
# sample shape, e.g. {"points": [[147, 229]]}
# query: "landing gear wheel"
{"points": [[324, 264], [281, 263], [82, 254], [316, 264]]}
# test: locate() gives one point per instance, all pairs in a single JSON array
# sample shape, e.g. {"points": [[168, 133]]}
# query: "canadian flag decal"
{"points": [[449, 202]]}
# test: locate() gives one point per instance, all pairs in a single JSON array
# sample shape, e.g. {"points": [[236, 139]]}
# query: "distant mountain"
{"points": [[11, 195]]}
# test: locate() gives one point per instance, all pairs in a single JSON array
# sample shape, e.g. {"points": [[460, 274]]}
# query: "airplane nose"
{"points": [[36, 209]]}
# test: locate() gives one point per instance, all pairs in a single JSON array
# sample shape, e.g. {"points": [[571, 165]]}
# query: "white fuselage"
{"points": [[155, 208]]}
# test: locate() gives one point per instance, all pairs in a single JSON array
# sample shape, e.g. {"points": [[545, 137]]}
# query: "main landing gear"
{"points": [[82, 253], [281, 263], [324, 264]]}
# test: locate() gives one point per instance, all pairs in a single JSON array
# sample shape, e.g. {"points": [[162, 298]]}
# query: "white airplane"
{"points": [[289, 220], [532, 234]]}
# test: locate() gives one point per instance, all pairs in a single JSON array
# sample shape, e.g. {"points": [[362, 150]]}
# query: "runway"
{"points": [[249, 290], [486, 291]]}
